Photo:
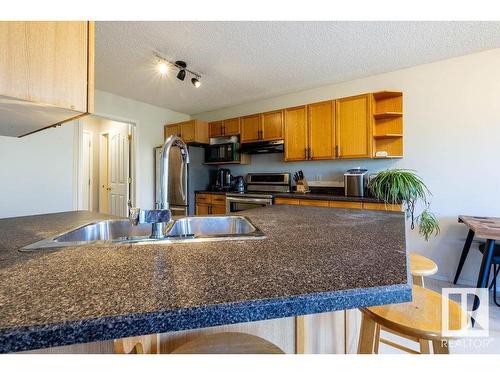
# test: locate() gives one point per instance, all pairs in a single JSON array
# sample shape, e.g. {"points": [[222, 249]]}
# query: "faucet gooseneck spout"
{"points": [[160, 218]]}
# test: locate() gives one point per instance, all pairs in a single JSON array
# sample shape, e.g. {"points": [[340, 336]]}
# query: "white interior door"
{"points": [[87, 171], [118, 171]]}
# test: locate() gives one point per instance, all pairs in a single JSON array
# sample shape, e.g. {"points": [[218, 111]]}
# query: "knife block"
{"points": [[302, 186]]}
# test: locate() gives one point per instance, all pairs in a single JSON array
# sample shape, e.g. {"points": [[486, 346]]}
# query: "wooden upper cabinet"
{"points": [[272, 125], [231, 126], [173, 129], [46, 74], [192, 131], [296, 142], [353, 126], [215, 129], [250, 128], [321, 130]]}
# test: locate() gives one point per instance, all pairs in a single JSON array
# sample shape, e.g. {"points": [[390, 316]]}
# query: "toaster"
{"points": [[355, 181]]}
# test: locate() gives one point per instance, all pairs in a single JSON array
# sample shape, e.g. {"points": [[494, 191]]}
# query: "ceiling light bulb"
{"points": [[162, 67], [196, 83]]}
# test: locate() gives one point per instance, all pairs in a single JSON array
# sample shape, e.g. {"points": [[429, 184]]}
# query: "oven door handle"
{"points": [[249, 200]]}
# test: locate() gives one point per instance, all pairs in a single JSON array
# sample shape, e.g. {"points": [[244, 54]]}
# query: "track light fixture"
{"points": [[163, 66]]}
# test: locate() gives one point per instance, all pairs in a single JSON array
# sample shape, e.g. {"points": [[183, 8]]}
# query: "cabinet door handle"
{"points": [[210, 210], [305, 153], [337, 152], [310, 153]]}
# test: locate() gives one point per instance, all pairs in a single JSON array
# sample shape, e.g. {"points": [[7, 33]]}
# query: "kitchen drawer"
{"points": [[345, 204], [219, 199], [203, 198], [295, 202], [314, 202], [382, 206]]}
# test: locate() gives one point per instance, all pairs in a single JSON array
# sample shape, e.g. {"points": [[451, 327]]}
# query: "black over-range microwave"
{"points": [[225, 152]]}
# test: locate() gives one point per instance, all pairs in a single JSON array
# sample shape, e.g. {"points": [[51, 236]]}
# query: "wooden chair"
{"points": [[149, 344], [419, 320], [228, 343]]}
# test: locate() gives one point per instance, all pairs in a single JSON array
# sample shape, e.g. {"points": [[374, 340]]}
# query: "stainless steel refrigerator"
{"points": [[177, 182]]}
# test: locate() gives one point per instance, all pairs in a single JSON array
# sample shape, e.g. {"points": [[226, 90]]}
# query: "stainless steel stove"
{"points": [[260, 187]]}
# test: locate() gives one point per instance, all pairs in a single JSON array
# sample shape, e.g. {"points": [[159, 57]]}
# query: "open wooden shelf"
{"points": [[386, 95], [388, 124], [385, 136], [385, 115]]}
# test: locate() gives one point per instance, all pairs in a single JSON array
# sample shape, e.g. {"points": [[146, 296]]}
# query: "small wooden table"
{"points": [[487, 228]]}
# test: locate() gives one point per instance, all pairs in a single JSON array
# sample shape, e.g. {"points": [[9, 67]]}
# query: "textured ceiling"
{"points": [[246, 61]]}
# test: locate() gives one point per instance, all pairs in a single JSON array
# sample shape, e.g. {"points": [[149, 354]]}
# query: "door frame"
{"points": [[91, 169], [103, 136], [78, 157]]}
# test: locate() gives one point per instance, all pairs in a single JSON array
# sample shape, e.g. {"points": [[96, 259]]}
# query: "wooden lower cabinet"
{"points": [[382, 206], [295, 202], [338, 204], [218, 210], [313, 202], [202, 209], [210, 204], [346, 204], [332, 332]]}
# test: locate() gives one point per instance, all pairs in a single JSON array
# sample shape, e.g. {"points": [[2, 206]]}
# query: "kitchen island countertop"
{"points": [[313, 260]]}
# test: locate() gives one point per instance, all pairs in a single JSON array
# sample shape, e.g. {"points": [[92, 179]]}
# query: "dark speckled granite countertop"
{"points": [[313, 260]]}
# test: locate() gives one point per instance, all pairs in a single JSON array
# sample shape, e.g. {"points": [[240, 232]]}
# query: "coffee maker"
{"points": [[223, 179]]}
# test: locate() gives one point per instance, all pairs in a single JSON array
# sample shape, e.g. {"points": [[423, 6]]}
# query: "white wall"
{"points": [[37, 171], [452, 138]]}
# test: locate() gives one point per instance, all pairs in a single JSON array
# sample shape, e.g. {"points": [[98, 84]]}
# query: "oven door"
{"points": [[236, 204]]}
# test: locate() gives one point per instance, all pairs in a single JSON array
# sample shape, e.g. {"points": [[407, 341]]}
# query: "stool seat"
{"points": [[422, 266], [420, 318], [228, 343]]}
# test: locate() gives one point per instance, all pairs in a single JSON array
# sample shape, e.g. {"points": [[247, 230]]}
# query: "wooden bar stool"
{"points": [[228, 343], [421, 266], [419, 320], [149, 344]]}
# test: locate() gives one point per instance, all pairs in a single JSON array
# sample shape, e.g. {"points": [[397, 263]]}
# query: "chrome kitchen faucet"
{"points": [[160, 218]]}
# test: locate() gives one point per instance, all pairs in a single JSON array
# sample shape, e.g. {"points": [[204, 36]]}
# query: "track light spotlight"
{"points": [[181, 75], [196, 83], [182, 72]]}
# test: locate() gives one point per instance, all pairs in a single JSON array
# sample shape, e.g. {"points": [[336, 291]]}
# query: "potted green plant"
{"points": [[403, 186]]}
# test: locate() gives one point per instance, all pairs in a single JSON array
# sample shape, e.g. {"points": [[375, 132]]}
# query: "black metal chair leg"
{"points": [[496, 268], [495, 274], [484, 271], [465, 252]]}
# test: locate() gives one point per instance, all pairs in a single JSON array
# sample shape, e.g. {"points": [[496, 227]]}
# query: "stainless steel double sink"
{"points": [[121, 231]]}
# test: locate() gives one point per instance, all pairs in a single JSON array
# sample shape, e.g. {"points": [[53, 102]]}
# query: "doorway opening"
{"points": [[106, 165]]}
